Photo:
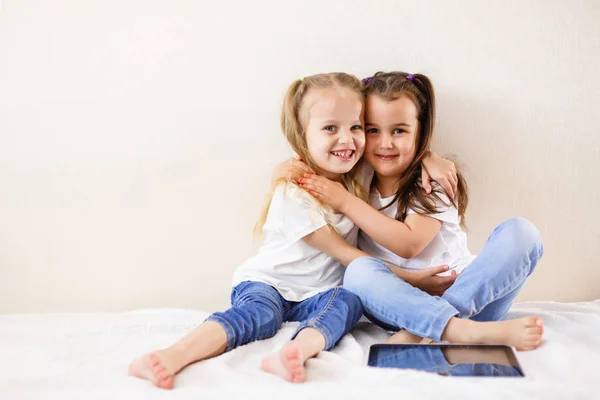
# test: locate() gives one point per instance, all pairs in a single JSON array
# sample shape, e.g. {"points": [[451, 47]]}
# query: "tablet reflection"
{"points": [[445, 361]]}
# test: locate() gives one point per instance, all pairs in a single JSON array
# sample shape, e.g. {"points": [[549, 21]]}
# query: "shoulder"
{"points": [[293, 212], [289, 199], [290, 193]]}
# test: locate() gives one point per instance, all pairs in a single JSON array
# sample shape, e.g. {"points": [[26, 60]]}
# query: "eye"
{"points": [[330, 128], [372, 130], [357, 128], [398, 131]]}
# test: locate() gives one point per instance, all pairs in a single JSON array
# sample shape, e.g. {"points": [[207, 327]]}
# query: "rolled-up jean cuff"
{"points": [[439, 324], [319, 327], [228, 330]]}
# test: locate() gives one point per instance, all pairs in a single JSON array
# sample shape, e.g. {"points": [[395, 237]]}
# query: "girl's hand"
{"points": [[428, 281], [440, 170], [331, 193], [292, 169]]}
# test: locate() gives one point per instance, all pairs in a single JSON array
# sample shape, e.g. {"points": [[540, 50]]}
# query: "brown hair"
{"points": [[293, 124], [418, 88]]}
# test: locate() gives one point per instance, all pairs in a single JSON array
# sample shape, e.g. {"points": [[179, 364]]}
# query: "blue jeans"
{"points": [[483, 292], [258, 310]]}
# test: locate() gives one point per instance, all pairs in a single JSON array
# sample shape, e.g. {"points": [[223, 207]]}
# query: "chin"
{"points": [[387, 172], [341, 170], [335, 167]]}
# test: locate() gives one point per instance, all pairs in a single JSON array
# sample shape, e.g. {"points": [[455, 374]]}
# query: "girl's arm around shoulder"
{"points": [[406, 239]]}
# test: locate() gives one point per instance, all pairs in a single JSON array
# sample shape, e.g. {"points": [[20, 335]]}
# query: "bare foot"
{"points": [[153, 368], [523, 333], [287, 364], [404, 337]]}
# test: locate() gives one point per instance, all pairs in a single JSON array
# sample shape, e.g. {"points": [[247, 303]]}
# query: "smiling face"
{"points": [[391, 128], [334, 130]]}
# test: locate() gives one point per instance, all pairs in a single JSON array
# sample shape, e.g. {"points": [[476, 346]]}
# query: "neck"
{"points": [[387, 186], [333, 176]]}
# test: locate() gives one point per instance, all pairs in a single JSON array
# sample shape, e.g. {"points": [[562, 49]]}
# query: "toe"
{"points": [[297, 377], [154, 361], [166, 383], [536, 330]]}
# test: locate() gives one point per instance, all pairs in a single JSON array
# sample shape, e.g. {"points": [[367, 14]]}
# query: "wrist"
{"points": [[430, 158], [347, 203], [408, 277]]}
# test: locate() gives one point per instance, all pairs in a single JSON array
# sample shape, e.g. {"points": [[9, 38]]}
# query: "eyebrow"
{"points": [[397, 124], [333, 121]]}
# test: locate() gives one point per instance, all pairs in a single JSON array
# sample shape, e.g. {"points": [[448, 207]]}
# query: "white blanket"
{"points": [[85, 356]]}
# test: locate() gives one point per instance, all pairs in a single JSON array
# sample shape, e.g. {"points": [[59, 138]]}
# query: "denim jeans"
{"points": [[258, 310], [483, 292]]}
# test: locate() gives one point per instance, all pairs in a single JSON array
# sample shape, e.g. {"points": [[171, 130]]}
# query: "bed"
{"points": [[85, 356]]}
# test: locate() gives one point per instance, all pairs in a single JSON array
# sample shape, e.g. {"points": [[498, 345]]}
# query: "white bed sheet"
{"points": [[85, 356]]}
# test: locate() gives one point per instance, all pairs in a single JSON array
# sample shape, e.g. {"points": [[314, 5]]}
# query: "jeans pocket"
{"points": [[237, 290]]}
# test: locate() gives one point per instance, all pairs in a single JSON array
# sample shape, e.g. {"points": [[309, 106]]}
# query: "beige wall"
{"points": [[137, 137]]}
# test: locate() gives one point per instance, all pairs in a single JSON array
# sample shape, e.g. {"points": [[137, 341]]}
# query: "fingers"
{"points": [[309, 186], [448, 280], [447, 186], [436, 270], [425, 180], [312, 179], [316, 195], [454, 175], [313, 184], [454, 182]]}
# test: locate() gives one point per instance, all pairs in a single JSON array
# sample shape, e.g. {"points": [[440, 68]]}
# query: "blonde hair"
{"points": [[293, 122]]}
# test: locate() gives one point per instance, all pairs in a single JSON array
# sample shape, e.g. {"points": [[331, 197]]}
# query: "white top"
{"points": [[284, 261], [448, 247]]}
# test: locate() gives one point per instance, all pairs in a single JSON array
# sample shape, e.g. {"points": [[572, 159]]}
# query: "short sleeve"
{"points": [[447, 212], [293, 213]]}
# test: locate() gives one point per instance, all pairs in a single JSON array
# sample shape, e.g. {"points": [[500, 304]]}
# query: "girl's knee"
{"points": [[527, 235]]}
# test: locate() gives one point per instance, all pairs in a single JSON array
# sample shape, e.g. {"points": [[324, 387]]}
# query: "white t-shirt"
{"points": [[284, 261], [448, 247]]}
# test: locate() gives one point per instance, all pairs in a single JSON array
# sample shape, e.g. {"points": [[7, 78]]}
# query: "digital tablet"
{"points": [[448, 359]]}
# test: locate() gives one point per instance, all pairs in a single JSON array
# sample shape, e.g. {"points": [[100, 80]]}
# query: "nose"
{"points": [[386, 141], [345, 136]]}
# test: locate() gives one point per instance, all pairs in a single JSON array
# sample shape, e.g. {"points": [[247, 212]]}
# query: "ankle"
{"points": [[461, 331], [174, 359]]}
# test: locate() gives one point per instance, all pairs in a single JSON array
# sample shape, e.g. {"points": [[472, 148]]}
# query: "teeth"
{"points": [[344, 154]]}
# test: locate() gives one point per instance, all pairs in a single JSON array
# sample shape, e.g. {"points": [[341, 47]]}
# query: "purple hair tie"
{"points": [[368, 79], [410, 77]]}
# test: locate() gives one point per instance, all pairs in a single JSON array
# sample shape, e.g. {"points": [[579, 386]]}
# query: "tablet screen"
{"points": [[448, 359]]}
